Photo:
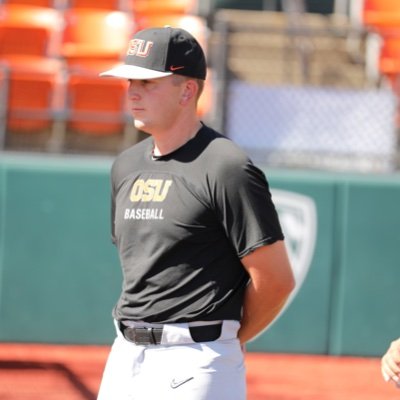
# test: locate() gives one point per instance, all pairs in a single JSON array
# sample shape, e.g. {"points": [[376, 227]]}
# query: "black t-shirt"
{"points": [[182, 222]]}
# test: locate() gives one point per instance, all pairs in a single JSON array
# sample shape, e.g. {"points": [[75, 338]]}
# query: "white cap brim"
{"points": [[132, 72]]}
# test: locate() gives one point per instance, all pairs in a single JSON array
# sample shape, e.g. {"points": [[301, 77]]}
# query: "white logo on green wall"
{"points": [[298, 217]]}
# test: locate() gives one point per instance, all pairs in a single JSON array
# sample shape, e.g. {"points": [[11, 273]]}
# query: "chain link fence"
{"points": [[292, 90]]}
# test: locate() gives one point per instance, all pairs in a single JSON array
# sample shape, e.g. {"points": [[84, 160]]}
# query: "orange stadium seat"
{"points": [[381, 14], [96, 106], [95, 34], [97, 117], [40, 3], [389, 61], [145, 7], [93, 41], [102, 4], [34, 95], [29, 30], [29, 38]]}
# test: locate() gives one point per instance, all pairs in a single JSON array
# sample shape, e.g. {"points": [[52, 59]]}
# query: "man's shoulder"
{"points": [[222, 149], [130, 157], [131, 153], [222, 156], [137, 148]]}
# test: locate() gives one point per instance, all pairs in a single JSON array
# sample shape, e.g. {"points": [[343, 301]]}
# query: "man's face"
{"points": [[155, 103]]}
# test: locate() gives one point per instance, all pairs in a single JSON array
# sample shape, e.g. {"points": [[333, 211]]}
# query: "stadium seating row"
{"points": [[135, 6], [49, 65]]}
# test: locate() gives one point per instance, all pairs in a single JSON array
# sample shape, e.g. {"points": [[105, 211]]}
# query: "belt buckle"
{"points": [[143, 336]]}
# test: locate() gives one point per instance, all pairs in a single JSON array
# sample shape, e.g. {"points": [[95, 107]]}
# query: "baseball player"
{"points": [[204, 263]]}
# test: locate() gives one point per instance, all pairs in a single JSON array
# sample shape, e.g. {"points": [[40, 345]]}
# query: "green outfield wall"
{"points": [[60, 274]]}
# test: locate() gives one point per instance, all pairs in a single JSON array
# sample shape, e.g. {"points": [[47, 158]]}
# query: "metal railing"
{"points": [[301, 59]]}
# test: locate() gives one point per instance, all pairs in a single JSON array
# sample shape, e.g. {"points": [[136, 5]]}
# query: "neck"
{"points": [[168, 141]]}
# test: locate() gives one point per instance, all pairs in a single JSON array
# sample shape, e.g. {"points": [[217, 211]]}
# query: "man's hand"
{"points": [[390, 365]]}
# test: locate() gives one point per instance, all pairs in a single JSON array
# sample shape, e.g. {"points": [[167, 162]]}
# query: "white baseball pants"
{"points": [[176, 369]]}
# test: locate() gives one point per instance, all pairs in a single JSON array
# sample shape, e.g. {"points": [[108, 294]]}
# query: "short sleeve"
{"points": [[244, 205]]}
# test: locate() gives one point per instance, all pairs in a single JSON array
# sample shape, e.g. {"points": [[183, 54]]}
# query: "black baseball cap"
{"points": [[158, 52]]}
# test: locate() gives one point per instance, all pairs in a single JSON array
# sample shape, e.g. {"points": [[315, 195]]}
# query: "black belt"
{"points": [[148, 335]]}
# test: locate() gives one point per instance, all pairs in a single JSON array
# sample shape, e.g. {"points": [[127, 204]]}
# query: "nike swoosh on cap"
{"points": [[173, 68]]}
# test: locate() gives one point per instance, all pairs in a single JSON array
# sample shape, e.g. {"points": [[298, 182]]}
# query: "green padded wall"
{"points": [[60, 275], [2, 225], [367, 303]]}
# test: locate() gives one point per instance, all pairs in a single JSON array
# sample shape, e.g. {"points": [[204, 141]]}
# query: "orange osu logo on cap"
{"points": [[139, 47]]}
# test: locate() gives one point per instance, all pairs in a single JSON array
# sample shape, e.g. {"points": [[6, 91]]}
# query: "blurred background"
{"points": [[308, 88]]}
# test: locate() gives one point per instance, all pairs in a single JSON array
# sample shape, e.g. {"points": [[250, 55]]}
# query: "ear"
{"points": [[189, 91]]}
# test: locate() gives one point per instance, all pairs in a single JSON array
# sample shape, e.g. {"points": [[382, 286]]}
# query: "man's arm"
{"points": [[271, 282]]}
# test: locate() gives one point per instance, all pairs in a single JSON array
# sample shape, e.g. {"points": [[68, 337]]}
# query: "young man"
{"points": [[202, 252]]}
